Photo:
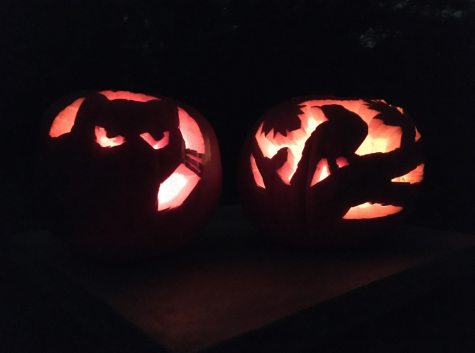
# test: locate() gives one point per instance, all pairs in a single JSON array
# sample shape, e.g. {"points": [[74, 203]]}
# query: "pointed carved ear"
{"points": [[79, 110], [91, 108], [88, 115], [164, 108]]}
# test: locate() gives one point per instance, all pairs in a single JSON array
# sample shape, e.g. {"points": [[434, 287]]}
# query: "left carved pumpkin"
{"points": [[130, 175]]}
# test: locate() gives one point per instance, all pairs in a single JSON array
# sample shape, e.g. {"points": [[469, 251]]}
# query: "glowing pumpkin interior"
{"points": [[177, 187], [381, 138]]}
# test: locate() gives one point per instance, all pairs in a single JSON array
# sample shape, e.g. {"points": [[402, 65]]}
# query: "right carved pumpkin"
{"points": [[330, 171]]}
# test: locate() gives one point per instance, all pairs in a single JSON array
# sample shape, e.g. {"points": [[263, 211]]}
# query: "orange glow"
{"points": [[371, 210], [64, 121], [256, 173], [321, 172], [414, 176], [104, 141], [174, 191], [176, 188], [295, 140], [342, 162], [287, 170], [154, 143], [311, 117], [191, 132], [418, 135], [381, 138], [137, 97]]}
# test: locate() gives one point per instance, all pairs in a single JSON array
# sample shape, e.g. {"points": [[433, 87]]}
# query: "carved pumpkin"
{"points": [[131, 175], [327, 171]]}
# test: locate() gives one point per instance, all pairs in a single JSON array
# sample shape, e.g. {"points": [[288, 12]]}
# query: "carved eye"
{"points": [[104, 141], [154, 143]]}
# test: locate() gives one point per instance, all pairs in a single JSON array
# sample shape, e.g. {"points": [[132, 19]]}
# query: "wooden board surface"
{"points": [[231, 284]]}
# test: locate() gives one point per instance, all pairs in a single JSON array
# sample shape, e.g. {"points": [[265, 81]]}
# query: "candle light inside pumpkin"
{"points": [[381, 138]]}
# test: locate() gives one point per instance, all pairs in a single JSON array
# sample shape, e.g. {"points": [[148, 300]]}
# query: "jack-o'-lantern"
{"points": [[131, 175], [328, 171]]}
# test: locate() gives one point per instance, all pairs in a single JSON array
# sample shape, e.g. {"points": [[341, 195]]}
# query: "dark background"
{"points": [[233, 60]]}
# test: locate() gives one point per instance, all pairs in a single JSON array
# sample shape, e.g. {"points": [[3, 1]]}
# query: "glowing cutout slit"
{"points": [[257, 174], [136, 97], [195, 158], [322, 171], [163, 142], [176, 188], [414, 176], [369, 210], [191, 132]]}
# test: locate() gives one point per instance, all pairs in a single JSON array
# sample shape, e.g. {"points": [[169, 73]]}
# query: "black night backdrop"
{"points": [[233, 60]]}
